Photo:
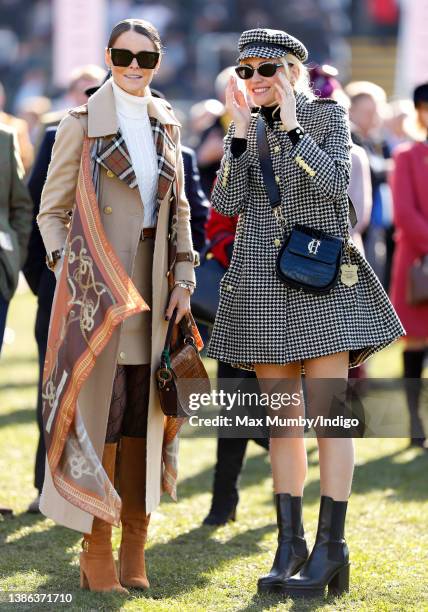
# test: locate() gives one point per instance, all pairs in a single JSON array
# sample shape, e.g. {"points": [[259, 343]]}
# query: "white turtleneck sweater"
{"points": [[136, 129]]}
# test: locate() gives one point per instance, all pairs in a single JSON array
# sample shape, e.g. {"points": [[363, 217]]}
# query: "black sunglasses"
{"points": [[267, 69], [124, 57]]}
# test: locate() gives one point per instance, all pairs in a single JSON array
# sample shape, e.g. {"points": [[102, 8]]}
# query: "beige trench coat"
{"points": [[122, 213]]}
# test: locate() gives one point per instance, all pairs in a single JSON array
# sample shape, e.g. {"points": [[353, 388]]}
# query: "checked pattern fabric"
{"points": [[260, 320]]}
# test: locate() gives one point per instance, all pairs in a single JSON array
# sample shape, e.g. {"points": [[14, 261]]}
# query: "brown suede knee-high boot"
{"points": [[97, 566], [135, 521]]}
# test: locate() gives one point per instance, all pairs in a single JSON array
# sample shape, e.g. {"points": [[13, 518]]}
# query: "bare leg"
{"points": [[336, 455], [287, 454]]}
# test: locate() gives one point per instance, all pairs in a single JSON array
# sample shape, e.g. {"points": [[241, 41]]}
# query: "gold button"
{"points": [[108, 210], [229, 287], [110, 174], [277, 179], [277, 242], [298, 159], [277, 149], [122, 355], [312, 172], [224, 182], [282, 128]]}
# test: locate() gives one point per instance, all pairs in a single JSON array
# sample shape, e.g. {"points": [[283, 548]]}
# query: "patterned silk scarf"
{"points": [[94, 295]]}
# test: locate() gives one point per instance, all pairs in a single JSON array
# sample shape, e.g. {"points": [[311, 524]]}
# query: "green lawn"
{"points": [[197, 568]]}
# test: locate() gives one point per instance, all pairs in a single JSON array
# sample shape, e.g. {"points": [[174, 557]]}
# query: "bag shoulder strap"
{"points": [[185, 329], [269, 176], [266, 165], [169, 332]]}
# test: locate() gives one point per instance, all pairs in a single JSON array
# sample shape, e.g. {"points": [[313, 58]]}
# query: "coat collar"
{"points": [[102, 116]]}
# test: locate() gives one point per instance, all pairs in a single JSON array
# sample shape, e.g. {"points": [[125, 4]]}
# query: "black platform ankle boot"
{"points": [[292, 551], [328, 563]]}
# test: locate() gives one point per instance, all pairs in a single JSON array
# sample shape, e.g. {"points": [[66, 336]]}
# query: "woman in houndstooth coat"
{"points": [[265, 326]]}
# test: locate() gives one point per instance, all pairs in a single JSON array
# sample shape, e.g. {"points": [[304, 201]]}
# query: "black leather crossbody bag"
{"points": [[309, 259]]}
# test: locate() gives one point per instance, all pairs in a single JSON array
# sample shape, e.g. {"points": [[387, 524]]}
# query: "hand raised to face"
{"points": [[287, 101], [237, 107]]}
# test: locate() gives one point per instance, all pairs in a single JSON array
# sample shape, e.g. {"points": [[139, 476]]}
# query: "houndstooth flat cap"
{"points": [[263, 42]]}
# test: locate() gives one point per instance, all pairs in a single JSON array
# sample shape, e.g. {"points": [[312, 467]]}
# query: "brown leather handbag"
{"points": [[417, 285], [181, 372]]}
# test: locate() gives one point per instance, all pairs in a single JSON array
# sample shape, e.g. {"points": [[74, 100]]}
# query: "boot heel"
{"points": [[232, 515], [84, 584], [340, 582]]}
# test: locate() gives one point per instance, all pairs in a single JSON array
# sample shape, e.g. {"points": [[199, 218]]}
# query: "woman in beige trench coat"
{"points": [[118, 403]]}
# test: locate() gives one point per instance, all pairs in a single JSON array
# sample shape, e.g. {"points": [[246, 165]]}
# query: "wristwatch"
{"points": [[184, 285], [52, 257]]}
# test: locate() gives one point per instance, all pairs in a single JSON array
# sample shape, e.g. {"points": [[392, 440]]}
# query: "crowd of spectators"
{"points": [[184, 25]]}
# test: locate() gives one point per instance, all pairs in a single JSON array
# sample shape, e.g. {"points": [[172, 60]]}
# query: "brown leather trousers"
{"points": [[129, 403]]}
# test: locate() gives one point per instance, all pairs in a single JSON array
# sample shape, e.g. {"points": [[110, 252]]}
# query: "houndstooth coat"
{"points": [[260, 320]]}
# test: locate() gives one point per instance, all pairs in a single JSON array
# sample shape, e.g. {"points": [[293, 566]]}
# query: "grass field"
{"points": [[198, 568]]}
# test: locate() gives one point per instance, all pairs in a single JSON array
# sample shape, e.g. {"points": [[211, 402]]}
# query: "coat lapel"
{"points": [[114, 156], [165, 150], [112, 152]]}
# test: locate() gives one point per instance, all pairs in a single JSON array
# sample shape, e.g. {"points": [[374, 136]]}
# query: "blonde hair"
{"points": [[303, 83]]}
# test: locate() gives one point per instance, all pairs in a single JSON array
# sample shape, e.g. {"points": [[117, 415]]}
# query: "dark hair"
{"points": [[138, 25], [420, 95]]}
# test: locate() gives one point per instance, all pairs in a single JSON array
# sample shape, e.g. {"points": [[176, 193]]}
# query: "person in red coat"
{"points": [[409, 183]]}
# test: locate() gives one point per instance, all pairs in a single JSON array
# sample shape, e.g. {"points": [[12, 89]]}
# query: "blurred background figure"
{"points": [[15, 220], [32, 111], [82, 79], [367, 107], [230, 451], [42, 283], [410, 192], [323, 80], [21, 128], [201, 116], [199, 204], [325, 84], [399, 123], [210, 147], [15, 225]]}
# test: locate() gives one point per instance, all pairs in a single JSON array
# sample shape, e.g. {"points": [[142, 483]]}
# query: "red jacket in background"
{"points": [[220, 231], [409, 183]]}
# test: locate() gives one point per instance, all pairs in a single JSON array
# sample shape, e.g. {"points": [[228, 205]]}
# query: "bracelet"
{"points": [[185, 285], [52, 257]]}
